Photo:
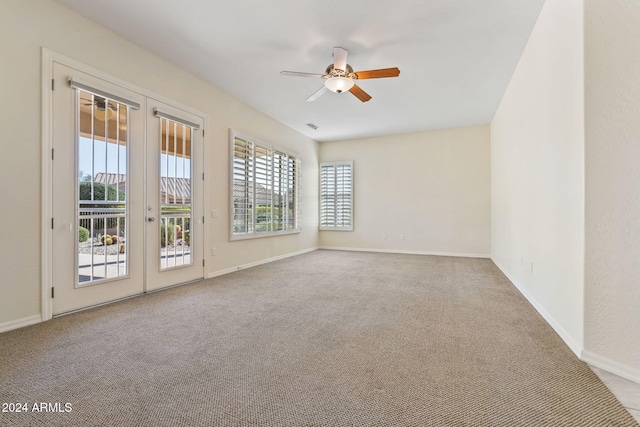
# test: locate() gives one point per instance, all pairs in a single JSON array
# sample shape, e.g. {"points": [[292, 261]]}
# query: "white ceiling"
{"points": [[455, 56]]}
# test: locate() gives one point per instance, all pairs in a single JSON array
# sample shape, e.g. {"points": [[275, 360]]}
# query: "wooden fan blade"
{"points": [[298, 74], [340, 58], [376, 74], [359, 93], [315, 95]]}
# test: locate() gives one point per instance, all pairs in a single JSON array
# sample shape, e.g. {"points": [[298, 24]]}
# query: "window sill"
{"points": [[336, 229], [247, 236]]}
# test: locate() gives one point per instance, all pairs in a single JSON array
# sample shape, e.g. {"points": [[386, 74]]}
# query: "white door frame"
{"points": [[46, 250]]}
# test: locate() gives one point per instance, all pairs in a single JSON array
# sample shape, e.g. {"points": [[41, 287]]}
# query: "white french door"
{"points": [[174, 217], [127, 213]]}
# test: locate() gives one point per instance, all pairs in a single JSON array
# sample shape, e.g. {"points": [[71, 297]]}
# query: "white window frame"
{"points": [[291, 225], [332, 193]]}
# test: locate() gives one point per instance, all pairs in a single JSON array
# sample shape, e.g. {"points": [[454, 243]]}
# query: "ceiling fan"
{"points": [[100, 103], [102, 108], [340, 77]]}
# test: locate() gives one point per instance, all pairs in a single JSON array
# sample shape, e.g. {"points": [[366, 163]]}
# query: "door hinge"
{"points": [[53, 84], [53, 293], [203, 262], [203, 176], [203, 133], [203, 219], [53, 150], [52, 223]]}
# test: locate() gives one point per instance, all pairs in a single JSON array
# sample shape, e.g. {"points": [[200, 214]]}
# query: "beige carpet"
{"points": [[322, 339]]}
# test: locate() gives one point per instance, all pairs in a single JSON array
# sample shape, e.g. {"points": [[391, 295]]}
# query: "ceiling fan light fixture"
{"points": [[103, 115], [338, 84], [101, 110]]}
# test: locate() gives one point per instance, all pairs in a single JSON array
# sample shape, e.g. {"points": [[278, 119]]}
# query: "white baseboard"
{"points": [[20, 323], [408, 252], [26, 321], [617, 368], [260, 262], [575, 346]]}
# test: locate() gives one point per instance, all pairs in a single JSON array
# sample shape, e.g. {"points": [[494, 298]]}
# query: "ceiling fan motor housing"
{"points": [[331, 72]]}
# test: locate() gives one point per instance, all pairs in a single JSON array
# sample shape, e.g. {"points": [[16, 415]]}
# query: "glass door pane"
{"points": [[102, 187], [175, 195]]}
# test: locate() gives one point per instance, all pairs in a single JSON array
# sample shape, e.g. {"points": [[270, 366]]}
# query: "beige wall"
{"points": [[565, 181], [26, 27], [612, 96], [537, 172], [425, 192]]}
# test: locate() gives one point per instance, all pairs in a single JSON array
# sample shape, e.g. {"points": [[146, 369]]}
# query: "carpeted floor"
{"points": [[323, 339]]}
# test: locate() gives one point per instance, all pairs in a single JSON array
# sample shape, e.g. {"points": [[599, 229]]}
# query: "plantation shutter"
{"points": [[265, 190], [336, 196], [242, 212], [293, 194]]}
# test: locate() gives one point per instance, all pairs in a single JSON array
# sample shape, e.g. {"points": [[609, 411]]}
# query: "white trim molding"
{"points": [[407, 252], [46, 171], [617, 368], [260, 262], [20, 323], [573, 345]]}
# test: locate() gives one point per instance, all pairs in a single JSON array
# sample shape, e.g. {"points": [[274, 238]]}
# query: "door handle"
{"points": [[151, 218]]}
